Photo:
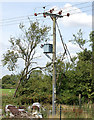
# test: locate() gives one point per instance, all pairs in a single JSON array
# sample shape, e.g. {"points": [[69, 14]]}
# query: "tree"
{"points": [[78, 39], [10, 81], [85, 65], [38, 88], [24, 47], [76, 78], [92, 45]]}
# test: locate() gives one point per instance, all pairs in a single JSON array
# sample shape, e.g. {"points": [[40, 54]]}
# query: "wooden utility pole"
{"points": [[54, 17], [54, 68], [93, 57]]}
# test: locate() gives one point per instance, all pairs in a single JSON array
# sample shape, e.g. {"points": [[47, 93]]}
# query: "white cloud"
{"points": [[73, 49], [76, 18]]}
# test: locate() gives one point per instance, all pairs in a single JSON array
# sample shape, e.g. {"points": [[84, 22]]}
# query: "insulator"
{"points": [[44, 15], [35, 14], [41, 45], [68, 14], [51, 10], [44, 7], [60, 12]]}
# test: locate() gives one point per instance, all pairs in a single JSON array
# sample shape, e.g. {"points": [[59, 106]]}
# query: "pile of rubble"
{"points": [[21, 112]]}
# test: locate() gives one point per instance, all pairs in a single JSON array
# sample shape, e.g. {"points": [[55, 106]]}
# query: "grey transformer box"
{"points": [[48, 48]]}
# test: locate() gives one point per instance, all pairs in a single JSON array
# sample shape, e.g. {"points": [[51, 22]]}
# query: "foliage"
{"points": [[23, 48], [10, 81], [76, 78], [78, 39], [37, 88]]}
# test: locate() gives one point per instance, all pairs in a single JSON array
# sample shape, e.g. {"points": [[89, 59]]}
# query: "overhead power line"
{"points": [[77, 9], [82, 12], [26, 21], [21, 17], [38, 18], [76, 5]]}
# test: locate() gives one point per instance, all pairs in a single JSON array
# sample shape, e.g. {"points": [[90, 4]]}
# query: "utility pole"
{"points": [[54, 68], [92, 39], [93, 57], [54, 17]]}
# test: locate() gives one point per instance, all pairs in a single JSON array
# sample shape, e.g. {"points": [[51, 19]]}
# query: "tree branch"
{"points": [[29, 72]]}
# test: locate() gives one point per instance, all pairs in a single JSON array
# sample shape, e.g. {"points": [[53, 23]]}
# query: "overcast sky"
{"points": [[12, 13]]}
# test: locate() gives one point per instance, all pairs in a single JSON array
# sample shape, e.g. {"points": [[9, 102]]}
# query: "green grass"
{"points": [[5, 92]]}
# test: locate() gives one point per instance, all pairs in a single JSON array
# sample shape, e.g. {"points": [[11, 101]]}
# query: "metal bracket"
{"points": [[48, 56]]}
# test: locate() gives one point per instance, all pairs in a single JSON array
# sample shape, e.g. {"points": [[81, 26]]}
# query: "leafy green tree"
{"points": [[84, 67], [83, 70], [92, 45], [10, 81], [24, 47], [38, 88], [65, 82], [78, 39], [76, 78]]}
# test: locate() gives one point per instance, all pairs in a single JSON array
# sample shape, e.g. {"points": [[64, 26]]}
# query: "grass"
{"points": [[7, 92], [71, 111], [68, 111]]}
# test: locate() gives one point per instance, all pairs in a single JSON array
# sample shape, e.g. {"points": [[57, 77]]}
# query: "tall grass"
{"points": [[70, 111]]}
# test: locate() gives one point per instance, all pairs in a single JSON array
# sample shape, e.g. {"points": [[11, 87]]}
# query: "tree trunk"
{"points": [[17, 88]]}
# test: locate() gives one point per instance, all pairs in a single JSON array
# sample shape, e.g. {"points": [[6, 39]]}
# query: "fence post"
{"points": [[80, 101], [60, 111]]}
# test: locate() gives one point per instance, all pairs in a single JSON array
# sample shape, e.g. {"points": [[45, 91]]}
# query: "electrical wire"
{"points": [[2, 23], [15, 18], [20, 18], [7, 19], [73, 6], [77, 9], [82, 12], [5, 24], [20, 22]]}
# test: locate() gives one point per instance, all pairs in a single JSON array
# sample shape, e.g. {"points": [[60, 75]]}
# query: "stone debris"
{"points": [[20, 112]]}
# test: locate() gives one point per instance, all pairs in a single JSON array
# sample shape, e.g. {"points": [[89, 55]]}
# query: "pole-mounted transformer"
{"points": [[48, 48]]}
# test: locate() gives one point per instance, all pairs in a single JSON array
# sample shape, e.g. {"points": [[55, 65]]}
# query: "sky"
{"points": [[12, 13]]}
